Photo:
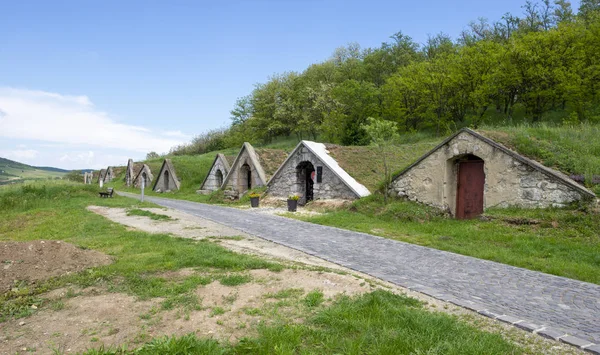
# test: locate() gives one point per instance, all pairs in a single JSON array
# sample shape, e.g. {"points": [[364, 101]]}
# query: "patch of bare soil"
{"points": [[92, 319], [38, 260]]}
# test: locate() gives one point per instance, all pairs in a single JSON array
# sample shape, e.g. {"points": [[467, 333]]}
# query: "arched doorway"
{"points": [[304, 175], [470, 187], [166, 183], [219, 176], [245, 178]]}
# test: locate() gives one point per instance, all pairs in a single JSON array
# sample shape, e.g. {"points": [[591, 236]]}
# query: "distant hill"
{"points": [[56, 170], [13, 172]]}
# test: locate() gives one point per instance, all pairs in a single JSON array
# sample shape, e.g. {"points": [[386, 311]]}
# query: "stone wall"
{"points": [[236, 182], [129, 173], [289, 181], [211, 182], [508, 181], [145, 172], [163, 184]]}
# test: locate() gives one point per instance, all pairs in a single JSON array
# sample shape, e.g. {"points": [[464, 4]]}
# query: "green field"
{"points": [[387, 322], [14, 172]]}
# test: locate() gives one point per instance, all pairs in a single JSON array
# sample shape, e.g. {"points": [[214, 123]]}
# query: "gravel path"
{"points": [[550, 305]]}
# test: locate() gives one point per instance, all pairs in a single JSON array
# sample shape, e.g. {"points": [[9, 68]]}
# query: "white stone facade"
{"points": [[331, 184], [510, 179]]}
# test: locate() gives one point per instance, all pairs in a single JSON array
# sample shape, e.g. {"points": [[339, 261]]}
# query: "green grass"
{"points": [[235, 279], [376, 323], [57, 211], [151, 215], [379, 322], [314, 299], [570, 149], [564, 242]]}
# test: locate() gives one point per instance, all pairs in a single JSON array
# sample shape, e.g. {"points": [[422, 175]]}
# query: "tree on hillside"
{"points": [[383, 134], [152, 155], [242, 110]]}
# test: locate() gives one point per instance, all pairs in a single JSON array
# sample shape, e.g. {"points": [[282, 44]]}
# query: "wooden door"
{"points": [[469, 195]]}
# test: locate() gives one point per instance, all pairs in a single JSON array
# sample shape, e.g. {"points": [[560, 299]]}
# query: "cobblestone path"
{"points": [[549, 304]]}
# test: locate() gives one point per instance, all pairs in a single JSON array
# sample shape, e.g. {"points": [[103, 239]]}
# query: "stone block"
{"points": [[508, 319], [530, 327], [551, 333], [575, 341], [594, 349], [489, 314]]}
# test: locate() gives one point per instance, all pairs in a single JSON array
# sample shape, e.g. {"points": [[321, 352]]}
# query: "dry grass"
{"points": [[365, 164], [271, 159]]}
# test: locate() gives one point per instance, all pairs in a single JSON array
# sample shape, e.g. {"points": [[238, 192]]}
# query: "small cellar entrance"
{"points": [[219, 175], [245, 178], [166, 183], [470, 187], [305, 172]]}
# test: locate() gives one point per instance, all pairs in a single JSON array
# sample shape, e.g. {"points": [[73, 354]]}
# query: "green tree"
{"points": [[383, 134], [152, 155], [242, 110], [356, 100]]}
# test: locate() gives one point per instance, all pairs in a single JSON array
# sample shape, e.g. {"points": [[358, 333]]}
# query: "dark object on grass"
{"points": [[254, 201], [107, 193], [292, 205]]}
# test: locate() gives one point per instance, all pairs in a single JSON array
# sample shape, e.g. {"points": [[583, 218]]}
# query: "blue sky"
{"points": [[92, 83]]}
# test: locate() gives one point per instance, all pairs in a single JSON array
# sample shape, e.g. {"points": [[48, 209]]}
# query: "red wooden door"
{"points": [[469, 196]]}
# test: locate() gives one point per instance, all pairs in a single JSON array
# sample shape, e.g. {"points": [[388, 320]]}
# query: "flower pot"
{"points": [[292, 205], [254, 201]]}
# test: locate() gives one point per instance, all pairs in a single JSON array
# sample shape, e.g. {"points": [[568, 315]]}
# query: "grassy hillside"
{"points": [[572, 150], [13, 172]]}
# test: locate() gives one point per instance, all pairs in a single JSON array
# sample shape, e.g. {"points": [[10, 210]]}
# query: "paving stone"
{"points": [[508, 319], [530, 327], [551, 334], [489, 314], [552, 301], [594, 349], [476, 307], [569, 339]]}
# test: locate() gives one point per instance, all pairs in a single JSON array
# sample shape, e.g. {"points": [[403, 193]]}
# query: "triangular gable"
{"points": [[101, 175], [109, 175], [253, 159], [219, 157], [129, 174], [320, 151], [168, 166], [145, 168], [531, 163]]}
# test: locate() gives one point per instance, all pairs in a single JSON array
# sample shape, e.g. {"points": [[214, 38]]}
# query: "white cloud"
{"points": [[20, 155], [85, 158], [177, 134], [73, 120]]}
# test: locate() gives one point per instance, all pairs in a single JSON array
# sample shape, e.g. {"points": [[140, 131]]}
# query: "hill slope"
{"points": [[12, 172], [572, 150]]}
